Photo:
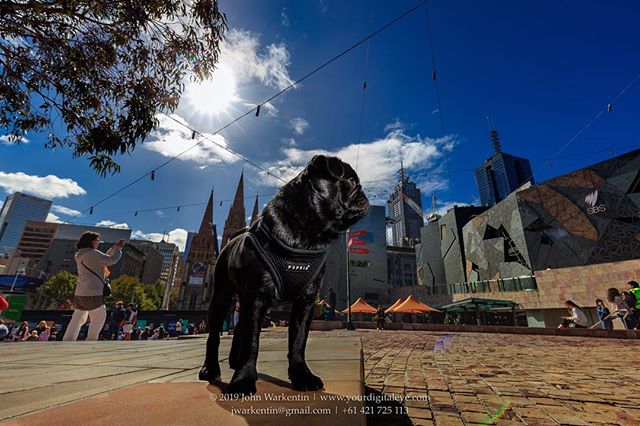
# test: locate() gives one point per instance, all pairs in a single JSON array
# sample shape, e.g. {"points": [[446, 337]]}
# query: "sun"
{"points": [[213, 96]]}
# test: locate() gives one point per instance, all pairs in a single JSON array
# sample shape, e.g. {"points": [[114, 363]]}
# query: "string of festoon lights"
{"points": [[207, 137]]}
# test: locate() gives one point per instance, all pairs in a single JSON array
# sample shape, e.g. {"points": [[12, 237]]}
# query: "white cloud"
{"points": [[284, 18], [443, 206], [112, 224], [378, 163], [299, 125], [53, 218], [50, 186], [170, 139], [435, 111], [65, 210], [242, 53], [178, 237], [5, 140], [395, 125], [289, 141]]}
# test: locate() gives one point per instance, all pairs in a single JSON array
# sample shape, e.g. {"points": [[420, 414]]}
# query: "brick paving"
{"points": [[474, 378]]}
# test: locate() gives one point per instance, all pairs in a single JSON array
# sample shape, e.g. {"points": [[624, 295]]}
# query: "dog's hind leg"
{"points": [[253, 308], [218, 308]]}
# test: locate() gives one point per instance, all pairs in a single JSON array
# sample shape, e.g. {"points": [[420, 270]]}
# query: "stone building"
{"points": [[198, 271]]}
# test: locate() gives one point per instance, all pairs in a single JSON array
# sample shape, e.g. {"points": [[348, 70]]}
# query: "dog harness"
{"points": [[291, 268]]}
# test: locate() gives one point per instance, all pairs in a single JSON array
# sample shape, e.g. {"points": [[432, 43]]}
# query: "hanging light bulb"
{"points": [[258, 111], [153, 175], [135, 214], [178, 209], [91, 210], [193, 135], [609, 107], [220, 203]]}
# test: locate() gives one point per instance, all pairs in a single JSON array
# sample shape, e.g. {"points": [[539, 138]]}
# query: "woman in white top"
{"points": [[577, 319]]}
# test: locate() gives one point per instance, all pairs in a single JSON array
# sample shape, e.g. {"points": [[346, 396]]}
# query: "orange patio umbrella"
{"points": [[361, 307], [411, 305], [390, 308]]}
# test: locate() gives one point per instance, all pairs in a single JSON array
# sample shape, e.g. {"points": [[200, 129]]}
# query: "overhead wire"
{"points": [[364, 86], [255, 109]]}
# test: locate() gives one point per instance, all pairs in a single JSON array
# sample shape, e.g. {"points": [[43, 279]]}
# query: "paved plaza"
{"points": [[445, 379], [504, 379]]}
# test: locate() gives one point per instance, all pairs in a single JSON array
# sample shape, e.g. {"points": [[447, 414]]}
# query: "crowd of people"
{"points": [[119, 328], [625, 306]]}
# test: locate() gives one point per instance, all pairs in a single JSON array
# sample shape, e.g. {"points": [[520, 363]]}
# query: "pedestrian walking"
{"points": [[90, 290], [118, 315], [130, 321], [332, 302], [380, 318], [603, 314]]}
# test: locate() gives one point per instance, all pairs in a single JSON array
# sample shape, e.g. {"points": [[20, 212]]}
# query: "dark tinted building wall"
{"points": [[430, 267], [368, 270], [500, 175]]}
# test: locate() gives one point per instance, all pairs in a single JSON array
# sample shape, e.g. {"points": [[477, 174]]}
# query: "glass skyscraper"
{"points": [[17, 209], [501, 174], [406, 222]]}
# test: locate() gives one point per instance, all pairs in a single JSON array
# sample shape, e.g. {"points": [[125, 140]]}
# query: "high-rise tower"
{"points": [[406, 222]]}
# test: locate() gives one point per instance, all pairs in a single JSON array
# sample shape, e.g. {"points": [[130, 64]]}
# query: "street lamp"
{"points": [[349, 323]]}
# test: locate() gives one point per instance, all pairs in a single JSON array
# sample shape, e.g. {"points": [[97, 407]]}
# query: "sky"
{"points": [[541, 70]]}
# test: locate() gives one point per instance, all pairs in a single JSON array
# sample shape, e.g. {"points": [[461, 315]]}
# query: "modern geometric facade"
{"points": [[501, 174], [368, 262], [17, 209], [440, 257], [586, 217], [406, 222]]}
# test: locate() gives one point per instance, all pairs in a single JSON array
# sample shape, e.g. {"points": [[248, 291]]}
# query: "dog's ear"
{"points": [[335, 167]]}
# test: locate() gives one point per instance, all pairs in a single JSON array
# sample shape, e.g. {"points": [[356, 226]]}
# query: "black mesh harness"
{"points": [[291, 268]]}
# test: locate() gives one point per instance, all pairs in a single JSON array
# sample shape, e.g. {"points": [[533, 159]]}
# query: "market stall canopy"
{"points": [[390, 308], [361, 307], [411, 305]]}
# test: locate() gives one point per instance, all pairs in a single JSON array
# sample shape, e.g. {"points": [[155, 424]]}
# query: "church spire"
{"points": [[256, 212], [236, 218], [207, 220]]}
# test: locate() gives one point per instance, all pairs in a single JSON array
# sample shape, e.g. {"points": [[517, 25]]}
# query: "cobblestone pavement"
{"points": [[474, 378]]}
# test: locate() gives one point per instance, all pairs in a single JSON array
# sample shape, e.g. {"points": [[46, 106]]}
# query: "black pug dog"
{"points": [[281, 257]]}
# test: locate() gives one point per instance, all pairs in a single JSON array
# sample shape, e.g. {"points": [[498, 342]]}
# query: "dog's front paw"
{"points": [[302, 379], [211, 375], [244, 386]]}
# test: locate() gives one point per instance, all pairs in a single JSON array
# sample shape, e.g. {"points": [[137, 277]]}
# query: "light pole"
{"points": [[349, 323]]}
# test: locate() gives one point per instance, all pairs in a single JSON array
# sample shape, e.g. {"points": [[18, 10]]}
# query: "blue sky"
{"points": [[541, 70]]}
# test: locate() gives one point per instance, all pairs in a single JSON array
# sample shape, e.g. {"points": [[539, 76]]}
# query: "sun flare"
{"points": [[215, 95]]}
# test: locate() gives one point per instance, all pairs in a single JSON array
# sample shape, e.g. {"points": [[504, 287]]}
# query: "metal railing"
{"points": [[525, 283]]}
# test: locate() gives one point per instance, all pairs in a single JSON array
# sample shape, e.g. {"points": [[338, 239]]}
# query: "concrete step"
{"points": [[83, 384]]}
